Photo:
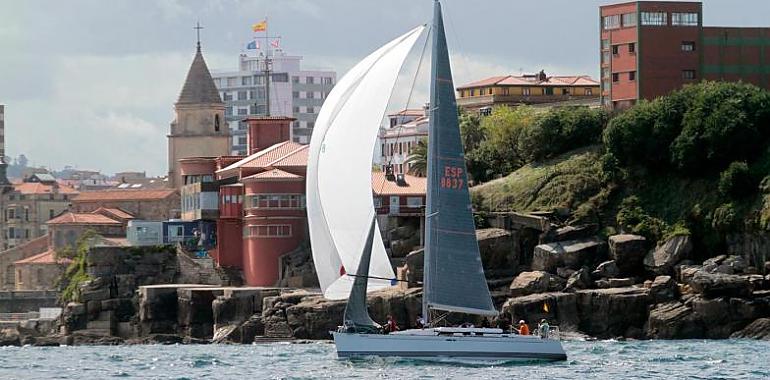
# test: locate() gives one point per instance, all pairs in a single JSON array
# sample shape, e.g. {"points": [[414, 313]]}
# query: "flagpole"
{"points": [[267, 68]]}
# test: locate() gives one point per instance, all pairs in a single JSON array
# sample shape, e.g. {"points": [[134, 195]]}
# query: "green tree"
{"points": [[560, 130], [418, 160]]}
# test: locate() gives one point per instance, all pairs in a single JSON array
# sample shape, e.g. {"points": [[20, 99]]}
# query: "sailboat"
{"points": [[348, 251]]}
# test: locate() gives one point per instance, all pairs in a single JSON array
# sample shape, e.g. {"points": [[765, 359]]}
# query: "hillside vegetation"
{"points": [[696, 161]]}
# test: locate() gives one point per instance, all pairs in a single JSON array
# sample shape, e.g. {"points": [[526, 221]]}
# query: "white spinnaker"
{"points": [[325, 254], [345, 166]]}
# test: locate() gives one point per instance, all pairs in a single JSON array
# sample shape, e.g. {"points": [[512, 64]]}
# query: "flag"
{"points": [[253, 45], [545, 307], [275, 43], [260, 26]]}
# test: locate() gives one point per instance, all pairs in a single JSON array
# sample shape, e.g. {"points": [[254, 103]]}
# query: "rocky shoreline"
{"points": [[618, 288]]}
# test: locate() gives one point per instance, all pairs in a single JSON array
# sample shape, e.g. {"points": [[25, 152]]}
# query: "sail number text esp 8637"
{"points": [[453, 177]]}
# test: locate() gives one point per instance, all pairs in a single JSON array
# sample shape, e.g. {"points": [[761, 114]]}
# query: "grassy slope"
{"points": [[573, 180], [564, 182]]}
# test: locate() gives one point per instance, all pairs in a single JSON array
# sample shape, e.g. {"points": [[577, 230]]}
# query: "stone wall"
{"points": [[38, 276], [155, 209], [24, 301]]}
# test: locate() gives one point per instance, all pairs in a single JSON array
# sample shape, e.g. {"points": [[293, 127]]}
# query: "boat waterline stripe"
{"points": [[461, 354]]}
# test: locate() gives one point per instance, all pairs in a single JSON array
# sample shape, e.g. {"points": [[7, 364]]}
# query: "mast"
{"points": [[454, 278], [432, 135]]}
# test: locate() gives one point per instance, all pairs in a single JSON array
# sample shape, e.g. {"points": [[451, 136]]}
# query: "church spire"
{"points": [[199, 87]]}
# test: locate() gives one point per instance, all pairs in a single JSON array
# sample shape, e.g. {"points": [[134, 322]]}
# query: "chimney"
{"points": [[265, 131], [541, 76], [400, 180]]}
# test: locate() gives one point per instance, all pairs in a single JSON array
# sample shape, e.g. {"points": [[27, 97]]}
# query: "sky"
{"points": [[92, 83]]}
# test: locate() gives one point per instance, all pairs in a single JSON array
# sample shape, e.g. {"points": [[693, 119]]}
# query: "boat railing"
{"points": [[553, 333]]}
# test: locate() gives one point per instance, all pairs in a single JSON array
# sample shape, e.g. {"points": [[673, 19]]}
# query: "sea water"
{"points": [[695, 359]]}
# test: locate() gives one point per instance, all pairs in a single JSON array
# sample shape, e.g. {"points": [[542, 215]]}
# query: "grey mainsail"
{"points": [[357, 316], [454, 277]]}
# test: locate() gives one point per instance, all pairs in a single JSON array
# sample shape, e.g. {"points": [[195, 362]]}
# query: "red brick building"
{"points": [[650, 48]]}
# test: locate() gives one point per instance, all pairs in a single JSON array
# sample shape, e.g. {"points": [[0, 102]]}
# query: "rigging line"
{"points": [[448, 14], [409, 96], [383, 278]]}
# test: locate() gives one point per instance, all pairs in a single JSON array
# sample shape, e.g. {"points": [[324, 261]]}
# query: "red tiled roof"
{"points": [[414, 185], [47, 257], [75, 218], [273, 155], [273, 175], [116, 212], [295, 158], [512, 80], [123, 195], [41, 188]]}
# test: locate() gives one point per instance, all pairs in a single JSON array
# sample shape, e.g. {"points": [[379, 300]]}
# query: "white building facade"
{"points": [[405, 130], [293, 93]]}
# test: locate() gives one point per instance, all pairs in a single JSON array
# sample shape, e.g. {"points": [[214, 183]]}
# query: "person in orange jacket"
{"points": [[523, 328]]}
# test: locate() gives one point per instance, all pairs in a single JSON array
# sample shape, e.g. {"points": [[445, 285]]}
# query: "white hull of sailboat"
{"points": [[428, 345]]}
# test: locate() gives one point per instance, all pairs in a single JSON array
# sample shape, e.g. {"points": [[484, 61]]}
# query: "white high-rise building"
{"points": [[293, 92]]}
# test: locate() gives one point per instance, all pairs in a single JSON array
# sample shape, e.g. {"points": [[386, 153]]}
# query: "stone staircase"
{"points": [[203, 270]]}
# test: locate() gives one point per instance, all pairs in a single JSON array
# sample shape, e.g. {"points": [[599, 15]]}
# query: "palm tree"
{"points": [[418, 159]]}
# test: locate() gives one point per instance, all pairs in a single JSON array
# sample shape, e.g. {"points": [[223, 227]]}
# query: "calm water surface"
{"points": [[587, 360]]}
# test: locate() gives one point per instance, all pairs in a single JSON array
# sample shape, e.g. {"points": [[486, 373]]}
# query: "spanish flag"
{"points": [[260, 26]]}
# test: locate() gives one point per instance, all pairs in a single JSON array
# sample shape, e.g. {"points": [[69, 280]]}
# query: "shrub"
{"points": [[736, 180], [724, 218], [610, 168], [632, 218], [561, 130]]}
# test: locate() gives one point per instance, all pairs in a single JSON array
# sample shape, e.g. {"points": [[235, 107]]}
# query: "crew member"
{"points": [[523, 328]]}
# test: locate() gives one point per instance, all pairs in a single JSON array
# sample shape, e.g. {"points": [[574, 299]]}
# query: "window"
{"points": [[276, 201], [629, 19], [309, 80], [232, 81], [615, 49], [11, 213], [589, 91], [310, 124], [615, 77], [50, 214], [26, 233], [611, 22], [632, 48], [377, 204], [26, 214], [490, 91], [241, 140], [281, 78], [684, 19], [295, 94], [688, 74], [605, 73], [271, 230], [688, 45], [605, 44], [294, 79], [328, 80], [243, 111], [252, 94], [565, 91], [525, 91], [226, 96], [295, 109], [414, 201], [606, 57], [246, 81], [654, 18], [216, 123], [310, 110], [241, 95], [310, 95], [632, 75]]}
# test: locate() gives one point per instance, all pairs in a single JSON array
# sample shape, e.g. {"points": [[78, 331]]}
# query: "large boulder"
{"points": [[414, 267], [663, 289], [662, 259], [610, 313], [759, 329], [579, 280], [572, 254], [628, 251], [529, 283], [712, 285], [607, 269], [673, 320], [498, 251]]}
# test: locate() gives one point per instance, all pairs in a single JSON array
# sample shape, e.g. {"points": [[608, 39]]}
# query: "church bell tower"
{"points": [[199, 128]]}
